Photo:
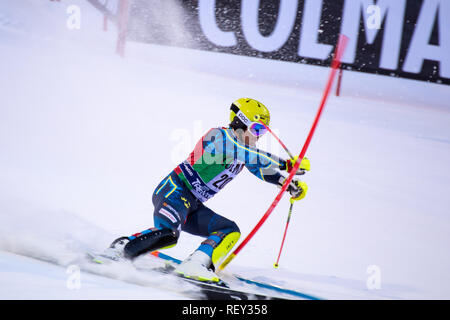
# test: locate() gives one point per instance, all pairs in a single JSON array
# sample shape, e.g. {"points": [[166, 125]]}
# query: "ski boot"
{"points": [[131, 247], [198, 266], [116, 250]]}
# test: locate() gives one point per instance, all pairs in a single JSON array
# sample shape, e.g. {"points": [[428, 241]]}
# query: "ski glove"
{"points": [[297, 189], [304, 165]]}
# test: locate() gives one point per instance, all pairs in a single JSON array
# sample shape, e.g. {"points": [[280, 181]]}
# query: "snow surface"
{"points": [[86, 135]]}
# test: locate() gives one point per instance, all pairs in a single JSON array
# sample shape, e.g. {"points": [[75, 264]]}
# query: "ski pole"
{"points": [[335, 63], [278, 139], [285, 232], [292, 202]]}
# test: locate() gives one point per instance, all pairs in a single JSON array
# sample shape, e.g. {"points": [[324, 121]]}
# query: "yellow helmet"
{"points": [[252, 110]]}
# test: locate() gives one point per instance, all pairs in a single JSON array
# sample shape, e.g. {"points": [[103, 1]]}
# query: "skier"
{"points": [[179, 198]]}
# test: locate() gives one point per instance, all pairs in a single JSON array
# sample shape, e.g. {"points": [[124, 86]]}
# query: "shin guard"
{"points": [[223, 247], [150, 241]]}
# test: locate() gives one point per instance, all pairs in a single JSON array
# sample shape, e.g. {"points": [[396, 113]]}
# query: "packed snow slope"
{"points": [[86, 135]]}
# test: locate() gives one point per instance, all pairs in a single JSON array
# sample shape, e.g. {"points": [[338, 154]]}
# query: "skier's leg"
{"points": [[150, 240], [222, 234], [170, 210]]}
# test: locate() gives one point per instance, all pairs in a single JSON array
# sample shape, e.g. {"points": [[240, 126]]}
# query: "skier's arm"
{"points": [[262, 164], [269, 174]]}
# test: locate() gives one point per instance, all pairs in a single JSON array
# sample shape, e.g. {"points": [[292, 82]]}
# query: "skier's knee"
{"points": [[234, 227], [227, 243], [151, 241]]}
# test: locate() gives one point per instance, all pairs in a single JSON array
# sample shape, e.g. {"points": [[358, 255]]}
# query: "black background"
{"points": [[143, 29]]}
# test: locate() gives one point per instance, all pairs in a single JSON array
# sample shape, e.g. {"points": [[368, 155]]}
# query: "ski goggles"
{"points": [[256, 128]]}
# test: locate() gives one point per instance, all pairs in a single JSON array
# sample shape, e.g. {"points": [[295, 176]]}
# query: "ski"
{"points": [[275, 289], [216, 292], [209, 290]]}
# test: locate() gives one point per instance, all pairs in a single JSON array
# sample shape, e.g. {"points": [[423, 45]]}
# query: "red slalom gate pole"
{"points": [[124, 6], [338, 85], [335, 63]]}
